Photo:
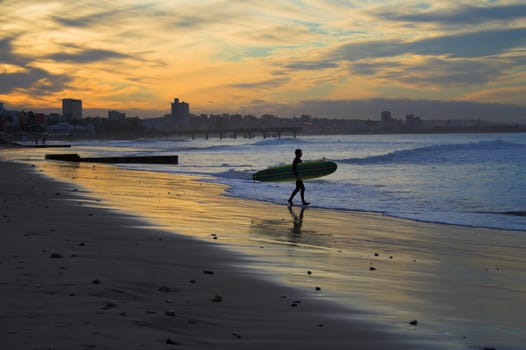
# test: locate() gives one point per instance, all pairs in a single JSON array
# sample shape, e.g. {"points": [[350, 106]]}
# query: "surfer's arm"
{"points": [[295, 168]]}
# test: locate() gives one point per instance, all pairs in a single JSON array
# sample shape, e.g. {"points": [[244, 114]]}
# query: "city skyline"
{"points": [[325, 58]]}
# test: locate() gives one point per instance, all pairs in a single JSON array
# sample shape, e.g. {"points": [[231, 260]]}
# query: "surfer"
{"points": [[300, 187]]}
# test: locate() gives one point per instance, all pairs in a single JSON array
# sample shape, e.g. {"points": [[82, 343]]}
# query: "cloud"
{"points": [[86, 21], [89, 56], [6, 52], [433, 71], [34, 80], [281, 34], [462, 15], [305, 65], [264, 84], [476, 44]]}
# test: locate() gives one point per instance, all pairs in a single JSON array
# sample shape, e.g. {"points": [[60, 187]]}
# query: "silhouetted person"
{"points": [[300, 187]]}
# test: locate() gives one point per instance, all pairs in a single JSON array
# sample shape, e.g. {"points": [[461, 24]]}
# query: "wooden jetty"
{"points": [[73, 157], [43, 146]]}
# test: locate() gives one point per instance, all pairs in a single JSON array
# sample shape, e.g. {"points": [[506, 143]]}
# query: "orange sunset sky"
{"points": [[260, 56]]}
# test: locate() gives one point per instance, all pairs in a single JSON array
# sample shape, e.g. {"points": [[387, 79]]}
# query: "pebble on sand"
{"points": [[109, 305], [236, 335], [217, 299], [171, 342]]}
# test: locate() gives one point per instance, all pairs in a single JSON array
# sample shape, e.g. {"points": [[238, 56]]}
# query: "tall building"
{"points": [[71, 108], [386, 116], [181, 113]]}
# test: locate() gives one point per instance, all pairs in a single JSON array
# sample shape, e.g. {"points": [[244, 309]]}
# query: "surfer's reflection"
{"points": [[297, 221]]}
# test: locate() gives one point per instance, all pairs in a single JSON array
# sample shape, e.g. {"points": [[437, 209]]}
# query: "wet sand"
{"points": [[79, 275]]}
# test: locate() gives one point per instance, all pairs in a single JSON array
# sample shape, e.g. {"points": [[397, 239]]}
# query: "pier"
{"points": [[44, 146], [236, 132], [73, 157]]}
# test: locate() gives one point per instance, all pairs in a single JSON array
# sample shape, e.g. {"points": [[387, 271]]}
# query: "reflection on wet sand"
{"points": [[297, 221]]}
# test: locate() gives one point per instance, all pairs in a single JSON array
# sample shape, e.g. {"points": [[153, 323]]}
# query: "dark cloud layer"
{"points": [[88, 56], [38, 81], [427, 109], [6, 52], [456, 45]]}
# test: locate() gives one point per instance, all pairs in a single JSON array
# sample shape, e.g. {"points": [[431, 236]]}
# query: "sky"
{"points": [[327, 58]]}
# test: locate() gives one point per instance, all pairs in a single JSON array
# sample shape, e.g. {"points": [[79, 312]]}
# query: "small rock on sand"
{"points": [[217, 299], [170, 341]]}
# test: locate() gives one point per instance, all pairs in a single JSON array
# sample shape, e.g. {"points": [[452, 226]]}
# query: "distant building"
{"points": [[72, 109], [413, 121], [116, 115], [181, 113], [389, 122]]}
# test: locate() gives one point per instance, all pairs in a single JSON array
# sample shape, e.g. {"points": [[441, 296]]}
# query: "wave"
{"points": [[234, 174], [281, 141], [482, 151]]}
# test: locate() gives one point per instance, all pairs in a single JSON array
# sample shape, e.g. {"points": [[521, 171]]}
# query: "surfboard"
{"points": [[306, 170]]}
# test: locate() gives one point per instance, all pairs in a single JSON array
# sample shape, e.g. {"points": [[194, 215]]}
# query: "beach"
{"points": [[82, 277], [82, 269]]}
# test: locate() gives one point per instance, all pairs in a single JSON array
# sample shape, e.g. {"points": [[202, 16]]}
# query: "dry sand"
{"points": [[80, 277]]}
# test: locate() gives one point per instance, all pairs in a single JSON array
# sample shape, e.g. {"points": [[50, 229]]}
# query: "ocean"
{"points": [[462, 179]]}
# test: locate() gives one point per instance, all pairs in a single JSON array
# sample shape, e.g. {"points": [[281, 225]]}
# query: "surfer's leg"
{"points": [[299, 185], [302, 187], [303, 198], [293, 194]]}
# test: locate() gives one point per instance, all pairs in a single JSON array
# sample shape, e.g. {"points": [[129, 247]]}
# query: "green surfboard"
{"points": [[306, 170]]}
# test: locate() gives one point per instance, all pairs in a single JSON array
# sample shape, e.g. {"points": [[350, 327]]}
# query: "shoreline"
{"points": [[78, 275]]}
